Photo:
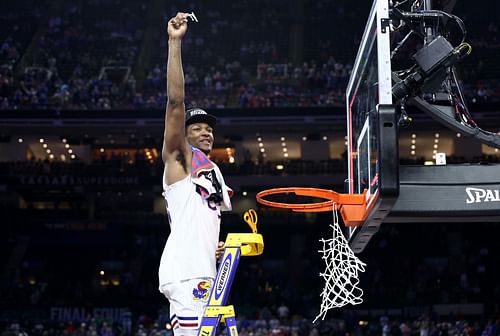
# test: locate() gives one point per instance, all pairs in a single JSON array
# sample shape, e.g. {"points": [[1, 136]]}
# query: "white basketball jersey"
{"points": [[195, 224]]}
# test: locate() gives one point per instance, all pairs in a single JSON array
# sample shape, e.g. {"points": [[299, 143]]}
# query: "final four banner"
{"points": [[80, 314]]}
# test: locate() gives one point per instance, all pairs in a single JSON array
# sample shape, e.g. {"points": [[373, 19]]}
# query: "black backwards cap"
{"points": [[197, 115]]}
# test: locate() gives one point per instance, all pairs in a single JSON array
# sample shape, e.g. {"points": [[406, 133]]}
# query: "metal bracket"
{"points": [[385, 23]]}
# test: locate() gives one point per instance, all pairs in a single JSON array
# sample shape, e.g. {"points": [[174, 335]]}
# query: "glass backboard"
{"points": [[369, 91]]}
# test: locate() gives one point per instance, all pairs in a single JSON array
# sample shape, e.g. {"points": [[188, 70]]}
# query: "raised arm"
{"points": [[175, 153]]}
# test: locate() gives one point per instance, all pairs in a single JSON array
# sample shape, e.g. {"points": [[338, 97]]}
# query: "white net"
{"points": [[341, 273]]}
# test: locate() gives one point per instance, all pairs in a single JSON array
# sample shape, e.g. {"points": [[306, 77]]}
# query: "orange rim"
{"points": [[330, 195], [352, 206]]}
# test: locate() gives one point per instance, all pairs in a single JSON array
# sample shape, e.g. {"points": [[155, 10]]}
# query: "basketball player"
{"points": [[195, 193]]}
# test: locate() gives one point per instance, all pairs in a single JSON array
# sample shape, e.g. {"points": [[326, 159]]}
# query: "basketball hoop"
{"points": [[342, 267], [353, 207]]}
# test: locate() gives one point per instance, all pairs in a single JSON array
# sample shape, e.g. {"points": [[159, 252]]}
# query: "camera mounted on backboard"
{"points": [[430, 83]]}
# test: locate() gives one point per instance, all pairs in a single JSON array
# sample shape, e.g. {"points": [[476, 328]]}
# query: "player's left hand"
{"points": [[219, 252]]}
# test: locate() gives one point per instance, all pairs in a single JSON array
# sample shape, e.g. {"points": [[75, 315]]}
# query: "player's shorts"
{"points": [[188, 300]]}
